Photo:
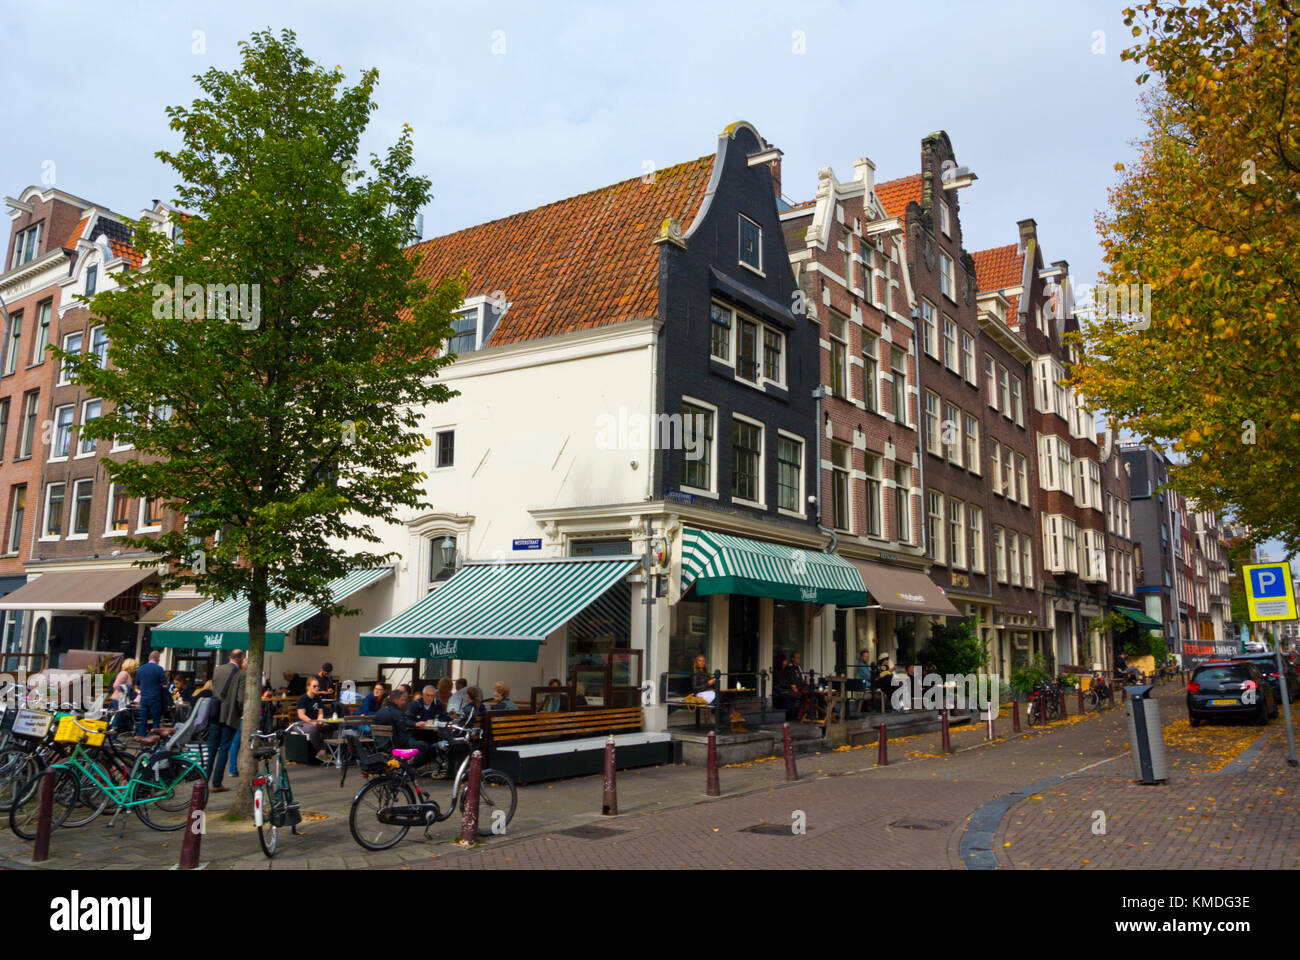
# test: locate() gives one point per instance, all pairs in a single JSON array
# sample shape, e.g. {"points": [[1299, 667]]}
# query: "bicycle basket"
{"points": [[68, 732]]}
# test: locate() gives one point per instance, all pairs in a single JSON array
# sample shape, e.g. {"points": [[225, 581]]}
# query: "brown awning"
{"points": [[87, 590], [168, 607], [904, 590]]}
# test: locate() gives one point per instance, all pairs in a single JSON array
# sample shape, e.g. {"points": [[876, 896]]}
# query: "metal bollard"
{"points": [[190, 842], [469, 816], [711, 788], [882, 746], [791, 772], [1060, 695], [1015, 716], [44, 817], [1080, 689], [992, 734], [1123, 693], [943, 730], [609, 802]]}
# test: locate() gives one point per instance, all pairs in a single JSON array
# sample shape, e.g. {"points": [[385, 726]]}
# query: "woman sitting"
{"points": [[502, 699], [704, 685]]}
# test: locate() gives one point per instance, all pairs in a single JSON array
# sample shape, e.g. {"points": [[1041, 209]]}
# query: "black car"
{"points": [[1230, 688], [1267, 663]]}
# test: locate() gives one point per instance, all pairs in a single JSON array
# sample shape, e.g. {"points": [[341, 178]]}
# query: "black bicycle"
{"points": [[273, 803], [392, 801], [1099, 695]]}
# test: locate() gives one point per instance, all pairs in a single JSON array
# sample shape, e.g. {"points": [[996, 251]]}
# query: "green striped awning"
{"points": [[1140, 618], [721, 563], [496, 611], [224, 625]]}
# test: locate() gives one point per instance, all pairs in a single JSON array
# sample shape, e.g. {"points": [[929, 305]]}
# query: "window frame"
{"points": [[60, 428], [975, 525], [110, 512], [710, 457], [45, 535], [65, 372], [930, 437], [784, 436], [972, 441], [760, 501], [968, 366], [842, 474], [73, 532], [758, 245], [957, 533], [935, 521], [81, 439]]}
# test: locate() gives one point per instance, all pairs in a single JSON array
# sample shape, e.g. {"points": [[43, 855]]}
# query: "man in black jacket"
{"points": [[393, 714]]}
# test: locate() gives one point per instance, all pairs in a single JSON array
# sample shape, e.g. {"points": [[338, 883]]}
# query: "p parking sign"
{"points": [[1270, 594]]}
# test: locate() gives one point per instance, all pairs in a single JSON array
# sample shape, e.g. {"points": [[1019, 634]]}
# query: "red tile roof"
{"points": [[122, 249], [76, 234], [895, 195], [585, 262], [999, 269]]}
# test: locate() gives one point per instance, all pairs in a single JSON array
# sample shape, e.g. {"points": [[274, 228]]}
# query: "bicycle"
{"points": [[1099, 695], [392, 802], [273, 803], [150, 790], [1044, 704]]}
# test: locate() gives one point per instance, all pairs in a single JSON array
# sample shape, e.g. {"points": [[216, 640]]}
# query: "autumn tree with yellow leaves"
{"points": [[1209, 217]]}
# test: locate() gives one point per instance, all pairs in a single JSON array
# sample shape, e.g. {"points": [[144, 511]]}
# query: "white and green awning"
{"points": [[224, 625], [496, 611], [721, 563]]}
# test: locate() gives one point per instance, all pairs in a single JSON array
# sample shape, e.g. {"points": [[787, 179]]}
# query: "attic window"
{"points": [[464, 338], [751, 243], [92, 276], [473, 324]]}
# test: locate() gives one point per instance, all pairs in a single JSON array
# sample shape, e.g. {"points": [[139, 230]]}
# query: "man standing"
{"points": [[223, 730], [150, 680]]}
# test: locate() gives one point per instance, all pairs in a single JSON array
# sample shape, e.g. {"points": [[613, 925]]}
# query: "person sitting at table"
{"points": [[372, 701], [782, 697], [394, 714], [310, 714], [502, 699], [866, 672], [267, 690], [703, 684], [473, 708], [798, 683], [553, 702], [326, 680], [444, 693], [456, 705], [427, 708]]}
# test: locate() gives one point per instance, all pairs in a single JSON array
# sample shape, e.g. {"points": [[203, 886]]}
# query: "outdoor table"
{"points": [[336, 749]]}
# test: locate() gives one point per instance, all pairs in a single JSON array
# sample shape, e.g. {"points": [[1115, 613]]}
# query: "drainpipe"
{"points": [[819, 434], [915, 344]]}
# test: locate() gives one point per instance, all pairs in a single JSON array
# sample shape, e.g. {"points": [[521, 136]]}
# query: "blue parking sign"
{"points": [[1267, 582]]}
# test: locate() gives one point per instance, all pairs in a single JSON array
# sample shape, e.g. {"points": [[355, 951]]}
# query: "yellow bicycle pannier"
{"points": [[68, 732]]}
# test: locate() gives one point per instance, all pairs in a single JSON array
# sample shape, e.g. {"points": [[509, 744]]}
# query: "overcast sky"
{"points": [[518, 104]]}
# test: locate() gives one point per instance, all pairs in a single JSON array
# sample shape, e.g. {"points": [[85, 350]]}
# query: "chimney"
{"points": [[775, 167], [1028, 231], [865, 170]]}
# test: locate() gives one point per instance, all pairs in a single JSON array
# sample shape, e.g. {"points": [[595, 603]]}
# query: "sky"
{"points": [[514, 105]]}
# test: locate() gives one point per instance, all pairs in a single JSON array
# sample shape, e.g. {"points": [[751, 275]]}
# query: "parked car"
{"points": [[1220, 689], [1267, 663]]}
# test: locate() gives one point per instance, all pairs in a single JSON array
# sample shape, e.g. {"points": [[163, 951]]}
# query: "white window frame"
{"points": [[847, 471], [103, 361], [999, 553], [995, 459], [969, 373], [1013, 557], [760, 348], [930, 425], [957, 532], [712, 492], [81, 441], [1018, 401], [740, 245], [24, 241], [64, 373], [761, 502], [947, 277], [934, 526], [801, 482], [56, 457], [900, 416], [1022, 468], [951, 354], [871, 372], [975, 521], [72, 511], [46, 536], [41, 332], [108, 514], [140, 525], [930, 328], [945, 219], [972, 440], [956, 449]]}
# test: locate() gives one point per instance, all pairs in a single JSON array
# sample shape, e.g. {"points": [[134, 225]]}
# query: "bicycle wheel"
{"points": [[165, 791], [1090, 701], [27, 805], [363, 818], [17, 766], [1035, 713], [496, 802], [275, 801]]}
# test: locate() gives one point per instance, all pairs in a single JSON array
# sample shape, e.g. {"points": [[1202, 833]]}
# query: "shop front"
{"points": [[896, 623]]}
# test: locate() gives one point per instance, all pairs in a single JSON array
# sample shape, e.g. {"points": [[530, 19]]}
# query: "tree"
{"points": [[271, 365], [1209, 216], [954, 649]]}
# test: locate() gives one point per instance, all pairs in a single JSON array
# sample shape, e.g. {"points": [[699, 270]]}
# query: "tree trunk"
{"points": [[243, 805]]}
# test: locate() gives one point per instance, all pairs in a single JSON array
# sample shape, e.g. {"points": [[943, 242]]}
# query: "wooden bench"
{"points": [[546, 746]]}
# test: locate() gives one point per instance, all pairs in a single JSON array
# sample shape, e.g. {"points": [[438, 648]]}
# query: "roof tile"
{"points": [[895, 195]]}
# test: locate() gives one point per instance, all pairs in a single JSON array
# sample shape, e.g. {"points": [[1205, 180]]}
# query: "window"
{"points": [[789, 474], [62, 432], [1123, 506], [747, 461], [1013, 555], [929, 329], [991, 380], [870, 374], [4, 425], [1017, 402], [957, 532], [697, 447], [848, 258], [720, 332], [839, 355], [1059, 533], [119, 509], [968, 358], [950, 345], [1000, 554], [99, 346], [751, 243], [54, 493], [92, 279], [934, 527], [947, 277], [42, 331], [975, 520], [26, 245], [840, 470], [902, 501], [71, 344], [442, 559], [747, 351], [972, 443], [944, 223], [90, 410], [15, 337], [445, 448], [1022, 470], [950, 435], [1027, 562], [29, 424], [464, 332], [899, 366], [16, 511], [930, 424], [995, 462], [1004, 391], [82, 492], [873, 496], [772, 344], [150, 514], [1008, 473]]}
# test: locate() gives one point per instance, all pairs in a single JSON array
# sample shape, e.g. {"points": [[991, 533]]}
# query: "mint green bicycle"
{"points": [[154, 790]]}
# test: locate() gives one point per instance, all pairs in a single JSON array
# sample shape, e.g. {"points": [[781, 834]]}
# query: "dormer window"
{"points": [[472, 325], [751, 244], [92, 278], [464, 336], [26, 245]]}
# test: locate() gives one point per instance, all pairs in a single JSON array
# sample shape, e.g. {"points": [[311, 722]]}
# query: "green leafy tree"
{"points": [[954, 649], [279, 415]]}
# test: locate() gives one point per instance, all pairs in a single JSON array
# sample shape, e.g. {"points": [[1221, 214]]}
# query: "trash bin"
{"points": [[1145, 735]]}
